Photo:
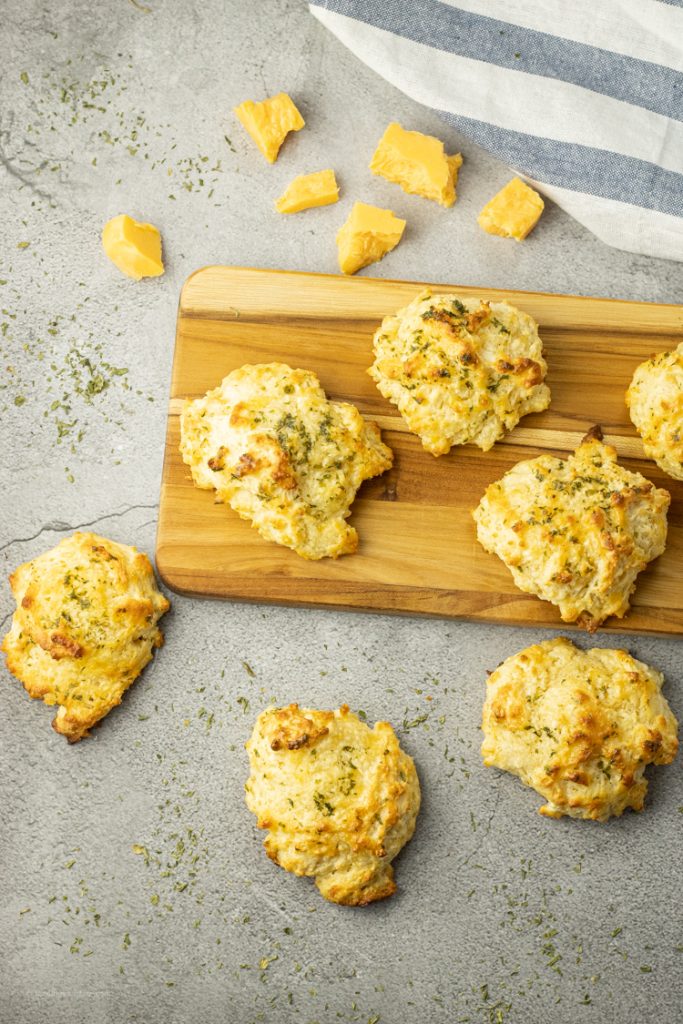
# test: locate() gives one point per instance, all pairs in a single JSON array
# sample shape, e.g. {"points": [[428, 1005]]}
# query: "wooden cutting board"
{"points": [[418, 552]]}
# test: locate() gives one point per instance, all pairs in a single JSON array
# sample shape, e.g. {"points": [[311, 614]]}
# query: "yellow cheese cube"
{"points": [[368, 234], [308, 190], [270, 122], [134, 248], [417, 163], [513, 212]]}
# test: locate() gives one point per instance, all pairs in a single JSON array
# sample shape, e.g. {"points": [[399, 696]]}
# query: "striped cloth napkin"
{"points": [[583, 98]]}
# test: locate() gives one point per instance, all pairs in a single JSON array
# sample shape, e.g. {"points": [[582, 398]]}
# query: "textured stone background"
{"points": [[501, 916]]}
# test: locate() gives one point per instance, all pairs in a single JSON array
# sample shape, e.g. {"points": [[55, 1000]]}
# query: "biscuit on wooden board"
{"points": [[459, 370], [281, 455], [575, 531], [655, 401]]}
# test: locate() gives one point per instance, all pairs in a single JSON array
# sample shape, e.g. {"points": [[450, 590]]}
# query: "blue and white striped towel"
{"points": [[583, 98]]}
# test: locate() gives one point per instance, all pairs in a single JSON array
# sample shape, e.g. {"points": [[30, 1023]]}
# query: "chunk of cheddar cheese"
{"points": [[513, 212], [270, 122], [417, 163], [369, 234], [308, 190], [133, 247]]}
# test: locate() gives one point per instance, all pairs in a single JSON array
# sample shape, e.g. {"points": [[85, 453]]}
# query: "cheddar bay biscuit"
{"points": [[579, 727], [575, 531], [281, 455], [655, 401], [84, 628], [460, 370], [339, 799]]}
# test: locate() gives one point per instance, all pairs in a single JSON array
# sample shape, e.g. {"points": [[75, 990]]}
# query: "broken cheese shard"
{"points": [[417, 163], [270, 122], [133, 247], [513, 212], [307, 191], [369, 234]]}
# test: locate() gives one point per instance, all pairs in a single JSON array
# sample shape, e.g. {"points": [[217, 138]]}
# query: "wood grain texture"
{"points": [[418, 551]]}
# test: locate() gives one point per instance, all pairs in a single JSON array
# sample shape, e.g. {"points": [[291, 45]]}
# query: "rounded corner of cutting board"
{"points": [[166, 572], [191, 282]]}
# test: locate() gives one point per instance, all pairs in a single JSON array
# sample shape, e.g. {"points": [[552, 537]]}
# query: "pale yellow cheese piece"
{"points": [[369, 234], [269, 122], [307, 191], [133, 247], [417, 163], [513, 212]]}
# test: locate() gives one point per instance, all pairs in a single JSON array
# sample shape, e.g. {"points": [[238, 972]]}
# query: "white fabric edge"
{"points": [[618, 224]]}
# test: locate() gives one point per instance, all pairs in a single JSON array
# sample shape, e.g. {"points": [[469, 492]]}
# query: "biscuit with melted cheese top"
{"points": [[575, 531], [339, 799], [84, 628], [655, 401], [579, 727], [460, 370], [281, 455]]}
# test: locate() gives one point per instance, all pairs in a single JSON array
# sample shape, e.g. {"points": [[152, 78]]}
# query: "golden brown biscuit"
{"points": [[84, 628], [282, 455], [579, 727], [575, 531], [460, 370], [655, 401], [339, 799]]}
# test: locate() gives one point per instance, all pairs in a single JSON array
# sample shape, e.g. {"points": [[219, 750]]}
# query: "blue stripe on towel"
{"points": [[596, 172], [651, 86]]}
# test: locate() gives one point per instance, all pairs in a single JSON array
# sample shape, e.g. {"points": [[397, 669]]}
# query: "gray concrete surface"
{"points": [[501, 915]]}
